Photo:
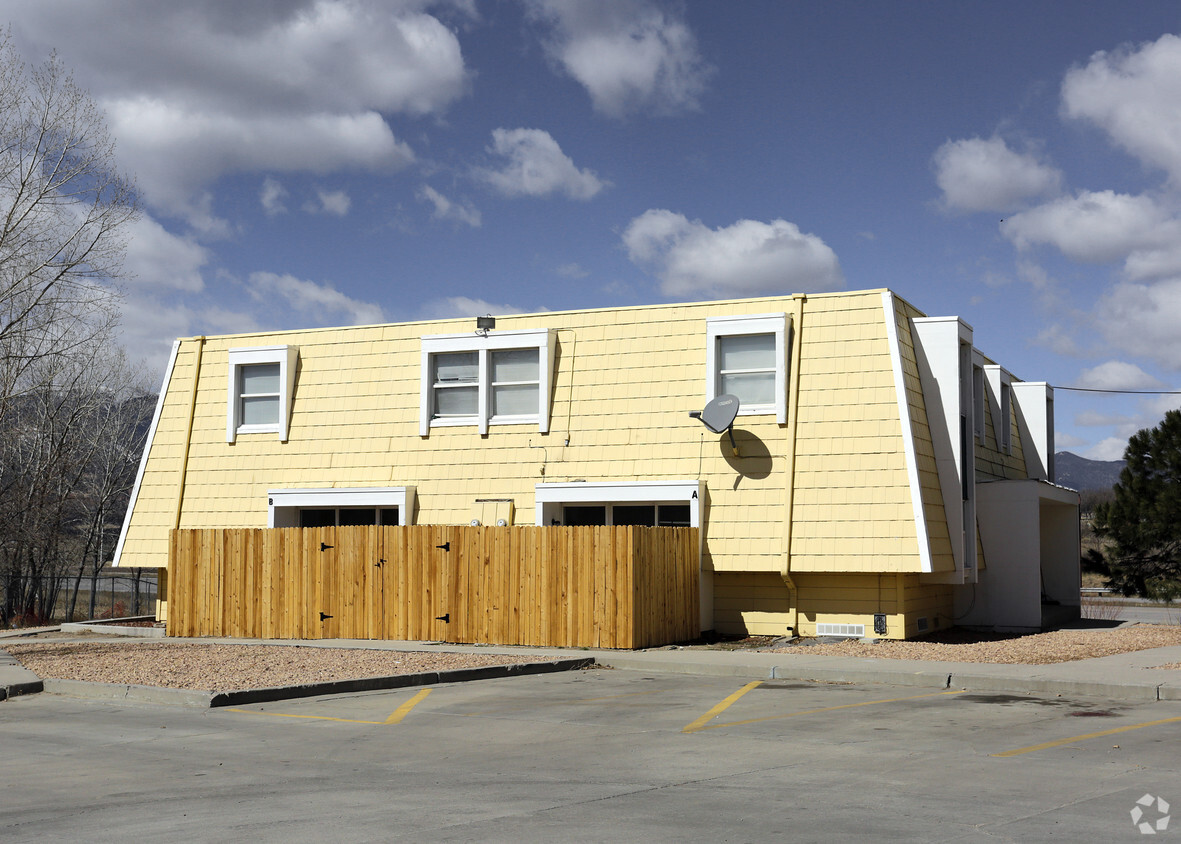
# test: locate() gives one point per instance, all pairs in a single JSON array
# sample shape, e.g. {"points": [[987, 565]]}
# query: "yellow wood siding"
{"points": [[852, 509]]}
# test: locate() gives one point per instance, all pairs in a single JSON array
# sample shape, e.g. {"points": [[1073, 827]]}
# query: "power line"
{"points": [[1122, 392]]}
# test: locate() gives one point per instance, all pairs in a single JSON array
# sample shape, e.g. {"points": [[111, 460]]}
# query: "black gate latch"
{"points": [[324, 617], [446, 619], [325, 547], [446, 546]]}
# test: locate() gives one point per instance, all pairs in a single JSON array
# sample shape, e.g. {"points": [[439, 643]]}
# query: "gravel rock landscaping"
{"points": [[1034, 649], [225, 668]]}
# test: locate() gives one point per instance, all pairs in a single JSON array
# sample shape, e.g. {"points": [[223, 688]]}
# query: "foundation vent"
{"points": [[921, 624], [840, 630]]}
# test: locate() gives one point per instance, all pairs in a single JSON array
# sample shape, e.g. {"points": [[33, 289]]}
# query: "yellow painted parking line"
{"points": [[828, 709], [1046, 745], [404, 710], [700, 723], [395, 718]]}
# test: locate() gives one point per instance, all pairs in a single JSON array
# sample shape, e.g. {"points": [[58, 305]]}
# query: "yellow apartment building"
{"points": [[884, 478]]}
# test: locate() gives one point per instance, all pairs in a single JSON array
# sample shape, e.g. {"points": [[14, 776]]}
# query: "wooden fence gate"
{"points": [[609, 587]]}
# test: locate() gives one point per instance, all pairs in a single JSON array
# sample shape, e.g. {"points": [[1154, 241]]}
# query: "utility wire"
{"points": [[1122, 392]]}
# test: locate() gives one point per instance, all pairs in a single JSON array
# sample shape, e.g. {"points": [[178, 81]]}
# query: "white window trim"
{"points": [[1000, 398], [638, 492], [730, 326], [286, 357], [978, 398], [542, 339], [401, 497]]}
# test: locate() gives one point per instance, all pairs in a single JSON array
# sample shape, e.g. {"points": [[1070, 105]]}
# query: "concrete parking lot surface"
{"points": [[598, 755]]}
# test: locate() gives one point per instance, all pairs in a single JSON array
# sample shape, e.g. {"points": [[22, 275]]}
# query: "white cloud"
{"points": [[463, 306], [1095, 226], [1117, 375], [159, 259], [1141, 320], [746, 258], [201, 89], [1111, 448], [1135, 96], [630, 55], [572, 270], [985, 175], [444, 209], [271, 197], [334, 202], [176, 151], [324, 304], [536, 166]]}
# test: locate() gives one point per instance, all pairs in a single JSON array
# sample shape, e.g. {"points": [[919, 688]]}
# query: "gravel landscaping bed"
{"points": [[225, 668], [1035, 649]]}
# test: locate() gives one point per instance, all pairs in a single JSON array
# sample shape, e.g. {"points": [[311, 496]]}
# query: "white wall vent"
{"points": [[840, 630], [921, 624]]}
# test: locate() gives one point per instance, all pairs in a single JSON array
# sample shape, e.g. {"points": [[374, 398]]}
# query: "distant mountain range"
{"points": [[1082, 474]]}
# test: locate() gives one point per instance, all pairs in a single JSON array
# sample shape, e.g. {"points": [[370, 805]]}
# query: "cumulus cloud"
{"points": [[158, 259], [322, 303], [536, 166], [1095, 226], [1117, 375], [986, 175], [271, 197], [335, 202], [630, 55], [1134, 94], [1141, 320], [201, 89], [745, 258], [445, 209]]}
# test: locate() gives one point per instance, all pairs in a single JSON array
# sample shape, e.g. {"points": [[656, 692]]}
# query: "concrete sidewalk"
{"points": [[1130, 676]]}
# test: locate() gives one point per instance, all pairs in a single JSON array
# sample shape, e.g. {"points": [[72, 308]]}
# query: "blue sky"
{"points": [[1017, 164]]}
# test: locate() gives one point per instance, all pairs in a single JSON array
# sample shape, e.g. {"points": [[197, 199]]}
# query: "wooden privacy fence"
{"points": [[609, 587]]}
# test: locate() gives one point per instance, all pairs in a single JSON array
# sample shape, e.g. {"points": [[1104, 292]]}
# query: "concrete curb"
{"points": [[18, 680], [212, 700], [112, 628]]}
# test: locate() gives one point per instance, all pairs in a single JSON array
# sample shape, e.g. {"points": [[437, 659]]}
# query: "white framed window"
{"points": [[503, 378], [259, 383], [675, 503], [978, 418], [747, 357], [340, 506]]}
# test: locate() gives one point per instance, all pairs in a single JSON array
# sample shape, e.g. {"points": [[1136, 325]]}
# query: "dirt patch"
{"points": [[1034, 649], [224, 668]]}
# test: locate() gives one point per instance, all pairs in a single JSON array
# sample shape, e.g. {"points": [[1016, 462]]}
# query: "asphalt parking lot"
{"points": [[598, 755]]}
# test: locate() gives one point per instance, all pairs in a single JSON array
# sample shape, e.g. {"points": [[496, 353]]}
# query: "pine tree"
{"points": [[1142, 525]]}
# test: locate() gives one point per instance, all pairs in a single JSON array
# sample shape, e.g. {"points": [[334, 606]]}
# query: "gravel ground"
{"points": [[224, 668], [1036, 649]]}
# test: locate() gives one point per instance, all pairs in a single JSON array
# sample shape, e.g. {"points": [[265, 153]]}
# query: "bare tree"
{"points": [[64, 209]]}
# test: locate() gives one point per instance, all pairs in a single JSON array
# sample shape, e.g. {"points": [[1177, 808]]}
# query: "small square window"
{"points": [[746, 356], [258, 394]]}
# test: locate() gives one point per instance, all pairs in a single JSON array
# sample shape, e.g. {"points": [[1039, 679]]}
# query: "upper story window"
{"points": [[501, 379], [1000, 401], [746, 356], [259, 387]]}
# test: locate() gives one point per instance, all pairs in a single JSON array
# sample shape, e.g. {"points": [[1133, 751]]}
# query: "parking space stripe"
{"points": [[830, 709], [305, 717], [404, 710], [1046, 745], [700, 723]]}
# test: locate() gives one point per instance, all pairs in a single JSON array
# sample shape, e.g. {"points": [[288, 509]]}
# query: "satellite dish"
{"points": [[720, 413], [719, 416]]}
